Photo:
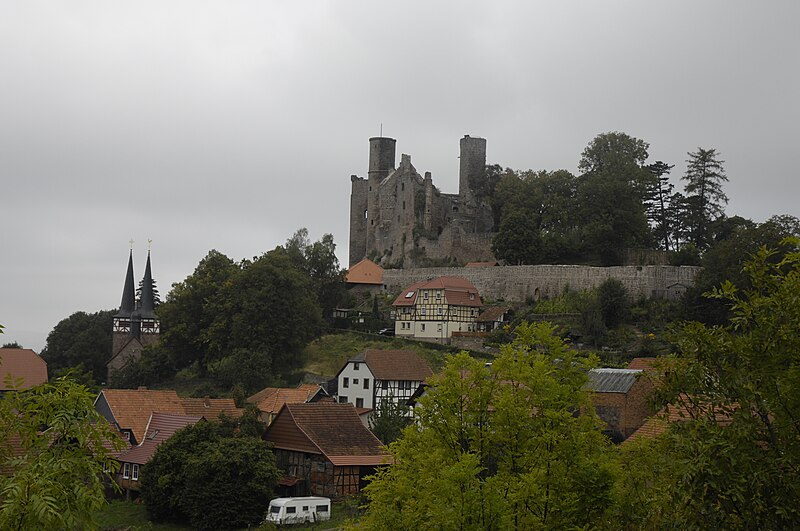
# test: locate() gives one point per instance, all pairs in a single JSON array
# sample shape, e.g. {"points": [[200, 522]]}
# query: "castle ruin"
{"points": [[398, 218]]}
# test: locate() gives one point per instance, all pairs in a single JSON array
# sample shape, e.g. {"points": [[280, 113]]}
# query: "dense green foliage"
{"points": [[499, 447], [388, 420], [81, 341], [705, 199], [55, 479], [734, 462], [210, 475]]}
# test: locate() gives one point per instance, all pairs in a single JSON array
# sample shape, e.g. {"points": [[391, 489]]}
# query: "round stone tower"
{"points": [[472, 165], [381, 164]]}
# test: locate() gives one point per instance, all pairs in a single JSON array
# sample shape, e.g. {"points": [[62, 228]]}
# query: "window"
{"points": [[366, 383], [472, 296], [305, 507], [425, 295], [342, 399], [385, 385], [355, 381], [346, 382], [422, 311], [355, 366], [409, 294], [439, 327], [127, 435], [359, 402], [402, 186], [126, 470], [322, 508], [422, 327], [135, 475], [440, 311], [291, 510]]}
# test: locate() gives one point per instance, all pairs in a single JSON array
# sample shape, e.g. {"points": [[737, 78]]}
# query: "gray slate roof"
{"points": [[612, 380]]}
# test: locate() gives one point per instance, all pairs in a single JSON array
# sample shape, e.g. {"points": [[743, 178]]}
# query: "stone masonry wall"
{"points": [[520, 283]]}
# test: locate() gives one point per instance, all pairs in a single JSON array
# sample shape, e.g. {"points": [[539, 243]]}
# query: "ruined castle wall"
{"points": [[456, 243], [520, 283]]}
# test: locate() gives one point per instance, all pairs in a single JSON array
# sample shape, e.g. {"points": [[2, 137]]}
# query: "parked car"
{"points": [[386, 332], [299, 510]]}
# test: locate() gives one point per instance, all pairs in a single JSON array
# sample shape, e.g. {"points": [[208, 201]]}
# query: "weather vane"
{"points": [[149, 241]]}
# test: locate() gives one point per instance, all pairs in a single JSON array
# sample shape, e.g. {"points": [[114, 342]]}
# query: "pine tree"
{"points": [[657, 203], [705, 199], [156, 296]]}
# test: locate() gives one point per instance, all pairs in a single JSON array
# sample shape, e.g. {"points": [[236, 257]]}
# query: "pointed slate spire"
{"points": [[147, 304], [128, 304]]}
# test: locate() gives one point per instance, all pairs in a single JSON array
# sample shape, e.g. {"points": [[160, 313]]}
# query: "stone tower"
{"points": [[381, 164], [472, 165]]}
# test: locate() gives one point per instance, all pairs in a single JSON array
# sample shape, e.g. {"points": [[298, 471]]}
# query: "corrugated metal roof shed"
{"points": [[612, 380]]}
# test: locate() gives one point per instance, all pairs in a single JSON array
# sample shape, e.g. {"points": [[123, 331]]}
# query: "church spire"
{"points": [[128, 304], [147, 304]]}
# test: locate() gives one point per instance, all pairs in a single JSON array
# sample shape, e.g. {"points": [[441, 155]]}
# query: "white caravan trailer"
{"points": [[299, 510]]}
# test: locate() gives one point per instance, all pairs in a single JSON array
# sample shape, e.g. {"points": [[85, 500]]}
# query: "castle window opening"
{"points": [[404, 205], [402, 186], [366, 214]]}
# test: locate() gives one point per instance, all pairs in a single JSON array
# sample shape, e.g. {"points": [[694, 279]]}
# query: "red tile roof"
{"points": [[397, 365], [457, 291], [658, 424], [132, 407], [271, 399], [160, 427], [493, 314], [365, 272], [211, 408], [22, 363], [331, 429]]}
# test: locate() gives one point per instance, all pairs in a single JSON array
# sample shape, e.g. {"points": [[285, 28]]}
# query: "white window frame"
{"points": [[135, 472], [126, 470]]}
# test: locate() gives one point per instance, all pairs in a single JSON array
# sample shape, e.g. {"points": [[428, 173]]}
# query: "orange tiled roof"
{"points": [[365, 272], [272, 399], [21, 363], [337, 431], [658, 424], [457, 291], [160, 427], [397, 365], [211, 408], [132, 407]]}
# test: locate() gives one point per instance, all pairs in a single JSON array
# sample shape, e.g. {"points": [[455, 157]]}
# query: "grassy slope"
{"points": [[328, 354]]}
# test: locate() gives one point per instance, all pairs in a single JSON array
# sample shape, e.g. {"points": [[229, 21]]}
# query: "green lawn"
{"points": [[121, 515], [118, 515]]}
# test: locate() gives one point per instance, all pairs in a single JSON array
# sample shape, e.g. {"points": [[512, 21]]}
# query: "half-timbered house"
{"points": [[434, 309], [372, 376], [323, 449]]}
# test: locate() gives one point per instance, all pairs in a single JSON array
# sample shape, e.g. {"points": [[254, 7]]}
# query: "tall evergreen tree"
{"points": [[657, 203], [705, 200]]}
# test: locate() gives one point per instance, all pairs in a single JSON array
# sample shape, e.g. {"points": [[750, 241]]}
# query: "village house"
{"points": [[20, 368], [621, 398], [270, 400], [323, 449], [435, 309], [372, 376], [160, 427], [129, 410]]}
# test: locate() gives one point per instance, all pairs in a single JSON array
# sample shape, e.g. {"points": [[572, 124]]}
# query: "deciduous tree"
{"points": [[499, 447], [82, 340], [56, 478]]}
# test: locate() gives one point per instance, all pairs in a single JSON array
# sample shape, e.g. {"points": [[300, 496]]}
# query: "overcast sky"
{"points": [[228, 125]]}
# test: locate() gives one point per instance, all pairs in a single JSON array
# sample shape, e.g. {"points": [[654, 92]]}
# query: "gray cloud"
{"points": [[229, 125]]}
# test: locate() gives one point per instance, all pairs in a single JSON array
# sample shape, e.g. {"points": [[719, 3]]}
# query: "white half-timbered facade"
{"points": [[434, 309], [372, 376]]}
